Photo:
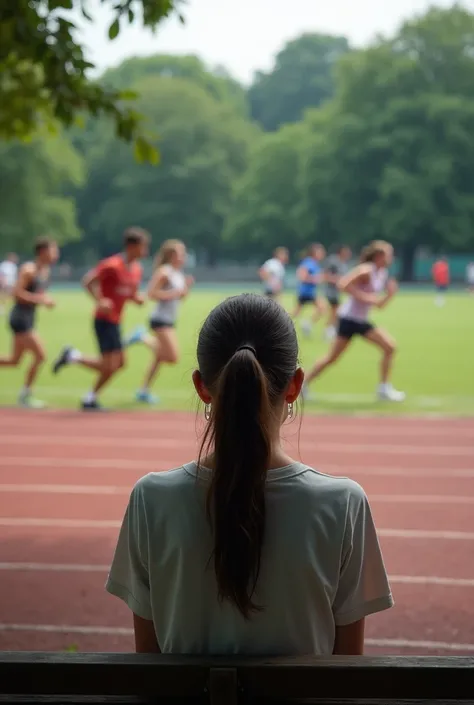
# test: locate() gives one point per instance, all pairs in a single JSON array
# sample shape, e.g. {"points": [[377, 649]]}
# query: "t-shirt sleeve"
{"points": [[105, 268], [129, 577], [363, 587]]}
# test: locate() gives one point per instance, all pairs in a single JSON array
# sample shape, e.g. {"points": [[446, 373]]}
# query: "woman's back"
{"points": [[321, 564], [227, 555]]}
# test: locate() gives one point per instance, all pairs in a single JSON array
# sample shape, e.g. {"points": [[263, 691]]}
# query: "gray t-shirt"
{"points": [[321, 564], [334, 265]]}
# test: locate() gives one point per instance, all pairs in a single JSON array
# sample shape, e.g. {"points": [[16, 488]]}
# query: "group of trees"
{"points": [[333, 145]]}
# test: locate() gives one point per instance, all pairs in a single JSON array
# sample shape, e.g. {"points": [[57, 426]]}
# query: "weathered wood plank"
{"points": [[132, 678]]}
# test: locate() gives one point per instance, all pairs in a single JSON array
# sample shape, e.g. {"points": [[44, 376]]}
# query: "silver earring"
{"points": [[207, 412], [290, 411]]}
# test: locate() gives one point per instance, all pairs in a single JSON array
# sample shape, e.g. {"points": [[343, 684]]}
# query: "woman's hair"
{"points": [[166, 252], [247, 354], [374, 248]]}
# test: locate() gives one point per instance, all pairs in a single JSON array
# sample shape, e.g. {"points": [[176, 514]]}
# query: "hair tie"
{"points": [[247, 347]]}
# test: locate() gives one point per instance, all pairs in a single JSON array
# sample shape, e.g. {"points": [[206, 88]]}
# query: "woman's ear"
{"points": [[294, 388], [200, 388]]}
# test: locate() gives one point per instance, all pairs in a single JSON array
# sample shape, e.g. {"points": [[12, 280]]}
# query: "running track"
{"points": [[65, 480]]}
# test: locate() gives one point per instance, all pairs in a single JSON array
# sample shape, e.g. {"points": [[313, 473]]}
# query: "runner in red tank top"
{"points": [[112, 283]]}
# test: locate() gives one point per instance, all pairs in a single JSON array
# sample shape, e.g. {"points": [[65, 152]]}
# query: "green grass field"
{"points": [[434, 365]]}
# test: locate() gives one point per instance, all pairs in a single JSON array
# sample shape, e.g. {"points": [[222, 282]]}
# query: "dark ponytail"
{"points": [[247, 355]]}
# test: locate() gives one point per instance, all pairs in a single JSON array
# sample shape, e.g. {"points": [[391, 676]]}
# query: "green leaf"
{"points": [[114, 29], [144, 151], [127, 95]]}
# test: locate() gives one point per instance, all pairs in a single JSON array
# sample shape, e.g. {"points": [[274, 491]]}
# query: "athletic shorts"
{"points": [[156, 324], [305, 299], [347, 328], [333, 301], [108, 336], [22, 320], [442, 287]]}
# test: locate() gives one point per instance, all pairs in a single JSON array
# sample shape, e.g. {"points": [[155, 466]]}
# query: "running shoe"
{"points": [[92, 406], [146, 397], [62, 360], [29, 402], [135, 337], [388, 393]]}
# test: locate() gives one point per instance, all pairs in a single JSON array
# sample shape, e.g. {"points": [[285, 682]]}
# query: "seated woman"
{"points": [[247, 551]]}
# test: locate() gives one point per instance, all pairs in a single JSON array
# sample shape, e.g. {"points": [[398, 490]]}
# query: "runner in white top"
{"points": [[247, 551], [470, 277], [168, 286], [368, 285], [272, 272], [8, 276]]}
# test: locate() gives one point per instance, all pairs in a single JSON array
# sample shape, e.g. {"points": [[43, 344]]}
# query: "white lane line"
{"points": [[56, 567], [66, 489], [428, 645], [114, 524], [158, 443], [193, 426], [428, 534], [126, 489], [102, 568], [61, 523], [66, 629], [126, 631], [431, 580], [159, 465]]}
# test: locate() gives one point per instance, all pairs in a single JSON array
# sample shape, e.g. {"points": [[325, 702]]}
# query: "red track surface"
{"points": [[65, 480]]}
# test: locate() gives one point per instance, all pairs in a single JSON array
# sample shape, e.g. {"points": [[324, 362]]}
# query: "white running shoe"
{"points": [[386, 392], [330, 333]]}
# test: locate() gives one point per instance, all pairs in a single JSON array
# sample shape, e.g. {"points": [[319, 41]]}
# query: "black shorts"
{"points": [[442, 287], [108, 336], [333, 301], [22, 319], [303, 300], [347, 328], [156, 324]]}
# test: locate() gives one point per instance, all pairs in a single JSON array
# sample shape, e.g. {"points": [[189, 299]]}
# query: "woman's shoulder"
{"points": [[162, 481], [336, 487]]}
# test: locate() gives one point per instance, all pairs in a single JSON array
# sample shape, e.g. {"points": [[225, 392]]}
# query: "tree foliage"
{"points": [[36, 179], [302, 78], [43, 67], [203, 144]]}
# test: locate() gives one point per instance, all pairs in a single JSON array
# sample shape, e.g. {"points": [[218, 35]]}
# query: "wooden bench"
{"points": [[128, 679]]}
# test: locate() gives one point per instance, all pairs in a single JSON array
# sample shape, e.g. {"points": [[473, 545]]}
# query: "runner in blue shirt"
{"points": [[309, 275]]}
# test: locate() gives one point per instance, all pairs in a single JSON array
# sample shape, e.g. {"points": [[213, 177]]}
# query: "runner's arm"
{"points": [[349, 285], [156, 287]]}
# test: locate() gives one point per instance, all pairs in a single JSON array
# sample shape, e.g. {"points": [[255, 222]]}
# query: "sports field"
{"points": [[434, 366]]}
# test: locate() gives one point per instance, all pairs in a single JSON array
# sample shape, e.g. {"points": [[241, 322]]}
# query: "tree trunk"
{"points": [[407, 273]]}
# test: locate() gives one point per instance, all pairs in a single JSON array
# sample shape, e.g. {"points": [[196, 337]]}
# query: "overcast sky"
{"points": [[245, 35]]}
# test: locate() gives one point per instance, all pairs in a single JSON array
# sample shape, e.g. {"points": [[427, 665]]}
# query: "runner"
{"points": [[470, 277], [168, 286], [309, 275], [335, 267], [365, 284], [28, 294], [272, 272], [8, 274], [440, 272], [111, 284]]}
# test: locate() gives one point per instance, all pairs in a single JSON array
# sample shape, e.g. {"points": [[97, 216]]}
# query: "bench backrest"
{"points": [[133, 678]]}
